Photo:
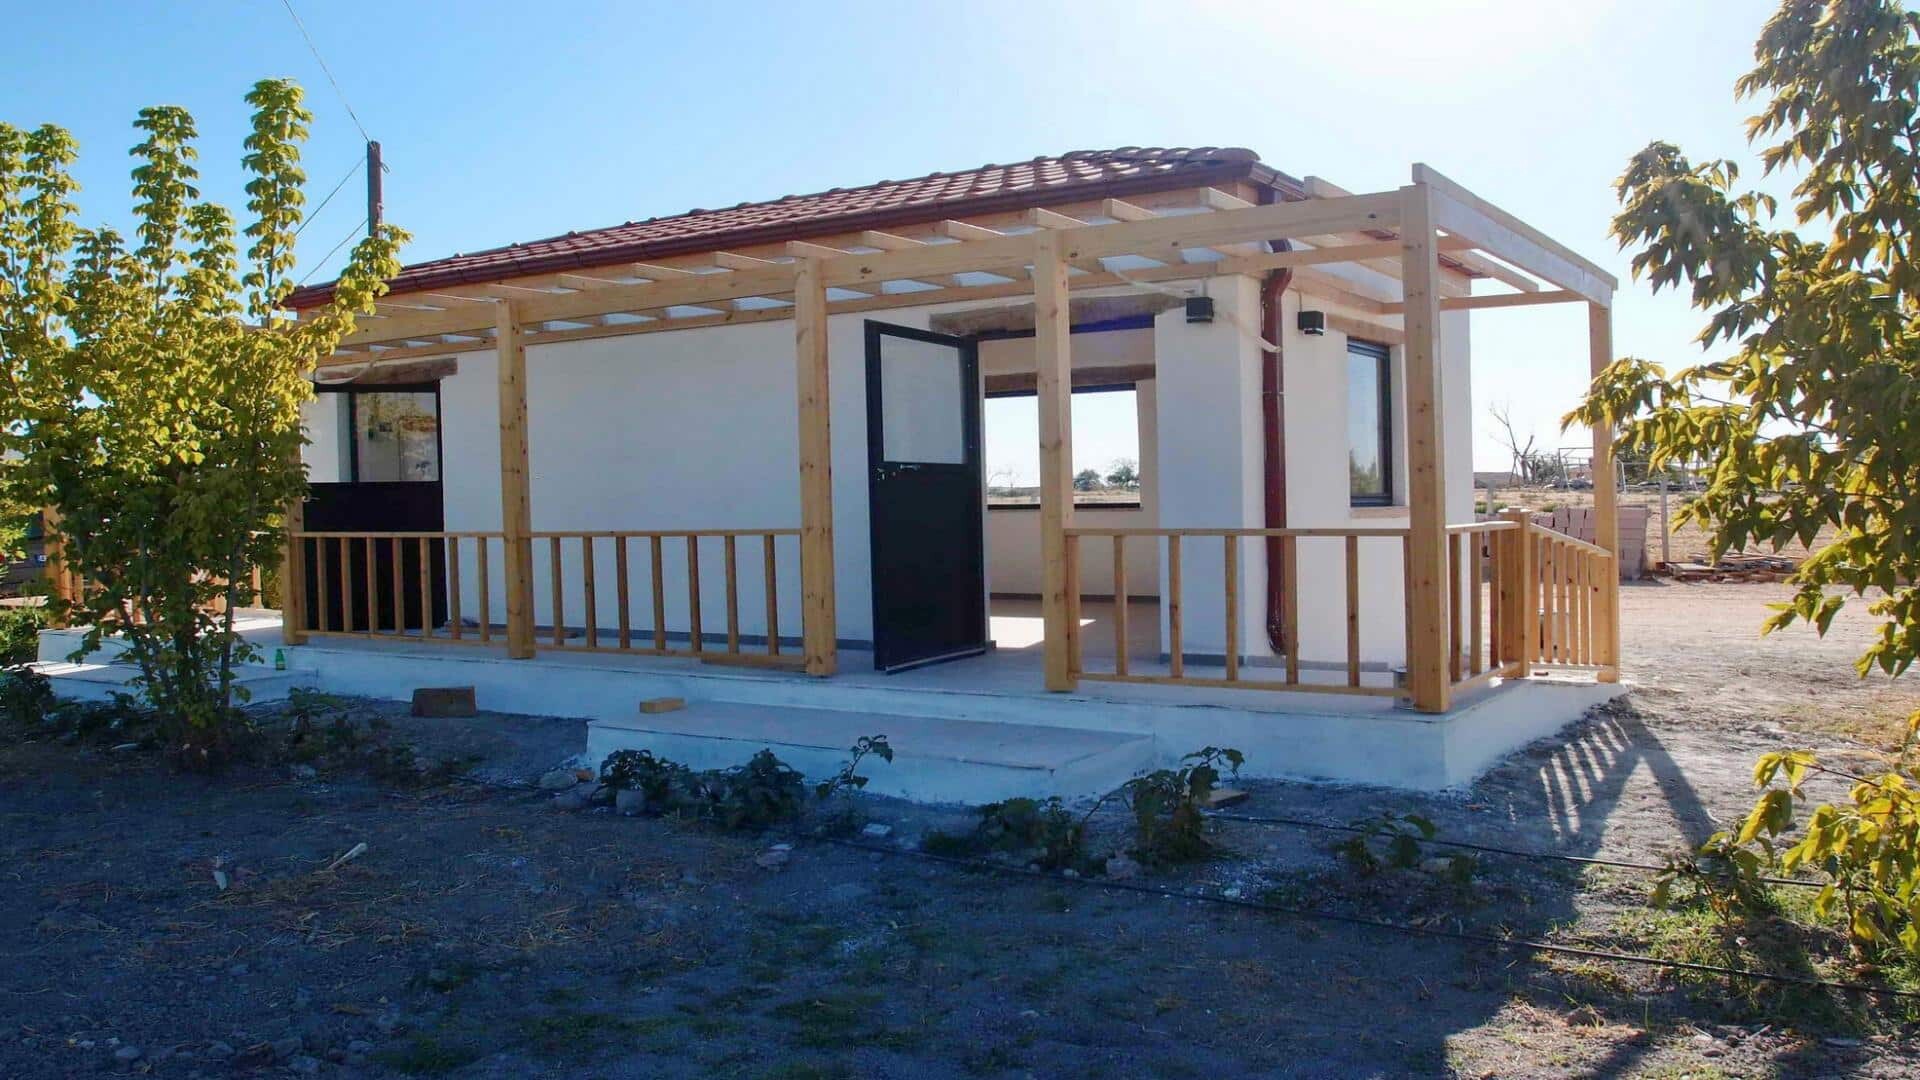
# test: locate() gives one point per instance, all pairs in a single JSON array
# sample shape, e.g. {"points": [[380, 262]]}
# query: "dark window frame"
{"points": [[352, 427], [1382, 355], [1104, 388]]}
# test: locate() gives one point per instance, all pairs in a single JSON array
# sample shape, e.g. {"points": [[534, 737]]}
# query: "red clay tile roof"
{"points": [[1081, 174]]}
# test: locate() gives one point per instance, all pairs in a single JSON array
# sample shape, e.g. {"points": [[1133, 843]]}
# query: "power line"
{"points": [[325, 70], [315, 212], [332, 253]]}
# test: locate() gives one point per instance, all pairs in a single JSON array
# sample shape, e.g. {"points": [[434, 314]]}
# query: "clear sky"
{"points": [[505, 122]]}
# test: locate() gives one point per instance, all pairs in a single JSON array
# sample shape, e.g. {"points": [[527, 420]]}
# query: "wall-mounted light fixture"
{"points": [[1199, 309], [1312, 322]]}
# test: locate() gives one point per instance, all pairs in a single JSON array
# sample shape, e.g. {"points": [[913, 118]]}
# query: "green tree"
{"points": [[154, 387], [1124, 475], [1086, 480], [1811, 418]]}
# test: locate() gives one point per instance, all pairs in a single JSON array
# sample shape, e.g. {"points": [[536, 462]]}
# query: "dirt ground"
{"points": [[484, 934]]}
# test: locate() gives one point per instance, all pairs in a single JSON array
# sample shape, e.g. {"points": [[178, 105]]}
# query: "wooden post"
{"points": [[1523, 624], [516, 499], [53, 547], [293, 577], [1427, 683], [819, 620], [1053, 358], [1606, 510]]}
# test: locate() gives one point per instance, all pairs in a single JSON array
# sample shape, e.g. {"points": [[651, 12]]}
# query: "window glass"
{"points": [[1369, 430], [922, 402], [396, 436], [1106, 448]]}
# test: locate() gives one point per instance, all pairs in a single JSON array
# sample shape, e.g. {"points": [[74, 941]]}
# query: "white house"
{"points": [[809, 464]]}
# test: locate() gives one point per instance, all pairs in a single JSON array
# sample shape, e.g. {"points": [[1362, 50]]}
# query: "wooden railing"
{"points": [[1482, 560], [394, 585], [656, 639], [1227, 656], [1565, 596], [416, 585]]}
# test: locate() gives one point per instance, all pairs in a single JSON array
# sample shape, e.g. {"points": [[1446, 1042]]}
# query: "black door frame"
{"points": [[879, 469], [420, 506]]}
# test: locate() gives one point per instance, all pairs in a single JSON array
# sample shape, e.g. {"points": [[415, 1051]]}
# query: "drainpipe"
{"points": [[1273, 432]]}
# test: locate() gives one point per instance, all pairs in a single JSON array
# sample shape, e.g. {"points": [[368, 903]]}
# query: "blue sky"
{"points": [[506, 122]]}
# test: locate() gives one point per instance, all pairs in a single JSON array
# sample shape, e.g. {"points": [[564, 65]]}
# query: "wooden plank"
{"points": [[1353, 610], [293, 573], [1606, 500], [819, 620], [559, 595], [1176, 646], [453, 587], [1119, 604], [426, 587], [659, 596], [732, 564], [1476, 553], [1076, 661], [1497, 300], [1121, 210], [589, 590], [960, 230], [1427, 681], [1231, 560], [1290, 603], [696, 636], [373, 593], [322, 620], [1053, 364], [516, 499], [1456, 608], [1499, 233], [770, 572], [1245, 684], [622, 594], [486, 588]]}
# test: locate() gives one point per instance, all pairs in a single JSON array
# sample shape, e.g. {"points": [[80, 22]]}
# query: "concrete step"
{"points": [[936, 759], [99, 682]]}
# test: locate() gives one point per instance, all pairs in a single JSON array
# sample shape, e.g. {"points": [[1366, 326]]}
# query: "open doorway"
{"points": [[1114, 446]]}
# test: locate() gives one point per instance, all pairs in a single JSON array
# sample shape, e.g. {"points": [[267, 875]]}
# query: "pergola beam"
{"points": [[1491, 229]]}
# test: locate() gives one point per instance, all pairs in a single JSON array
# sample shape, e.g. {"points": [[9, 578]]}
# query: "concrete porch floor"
{"points": [[973, 730]]}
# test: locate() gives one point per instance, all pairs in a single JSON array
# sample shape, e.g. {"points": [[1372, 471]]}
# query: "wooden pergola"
{"points": [[1406, 233]]}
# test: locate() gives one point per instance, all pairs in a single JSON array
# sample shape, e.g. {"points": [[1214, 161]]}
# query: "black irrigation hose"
{"points": [[1582, 860], [1515, 944]]}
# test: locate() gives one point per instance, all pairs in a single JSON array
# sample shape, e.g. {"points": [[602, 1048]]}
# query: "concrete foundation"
{"points": [[971, 731]]}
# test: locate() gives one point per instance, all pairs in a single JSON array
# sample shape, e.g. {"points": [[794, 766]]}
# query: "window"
{"points": [[1106, 448], [390, 435], [1369, 424]]}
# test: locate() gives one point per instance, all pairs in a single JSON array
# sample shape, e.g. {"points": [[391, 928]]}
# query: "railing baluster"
{"points": [[1290, 604], [373, 582], [559, 594], [695, 635], [590, 607], [620, 590], [1475, 564], [453, 586], [772, 574], [1076, 656], [486, 590], [1454, 607], [396, 579], [731, 563], [320, 585], [426, 588], [1176, 648], [1352, 546], [1231, 558], [659, 597], [1119, 604]]}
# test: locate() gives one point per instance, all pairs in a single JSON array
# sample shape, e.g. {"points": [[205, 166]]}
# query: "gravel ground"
{"points": [[484, 934]]}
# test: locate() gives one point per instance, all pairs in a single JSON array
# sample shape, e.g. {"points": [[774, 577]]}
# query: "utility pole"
{"points": [[376, 205]]}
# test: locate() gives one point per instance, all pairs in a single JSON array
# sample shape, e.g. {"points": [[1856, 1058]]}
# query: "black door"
{"points": [[923, 497], [388, 440]]}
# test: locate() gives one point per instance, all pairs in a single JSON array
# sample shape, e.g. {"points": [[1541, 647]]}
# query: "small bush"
{"points": [[763, 792], [20, 634], [26, 697], [847, 778], [1398, 838], [1169, 806]]}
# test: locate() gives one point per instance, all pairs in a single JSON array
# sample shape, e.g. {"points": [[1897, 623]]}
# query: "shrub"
{"points": [[667, 785], [20, 634], [1169, 806], [763, 792]]}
